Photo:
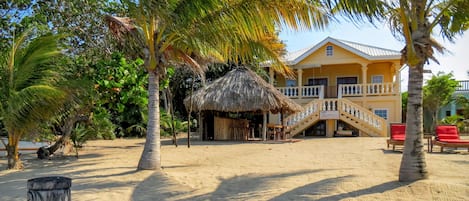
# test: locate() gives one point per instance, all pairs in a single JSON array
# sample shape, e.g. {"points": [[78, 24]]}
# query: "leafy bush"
{"points": [[102, 127], [454, 120], [166, 126]]}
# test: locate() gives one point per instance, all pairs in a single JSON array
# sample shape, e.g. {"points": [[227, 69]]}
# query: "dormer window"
{"points": [[329, 51]]}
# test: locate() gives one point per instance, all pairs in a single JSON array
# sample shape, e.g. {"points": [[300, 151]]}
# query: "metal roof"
{"points": [[366, 51]]}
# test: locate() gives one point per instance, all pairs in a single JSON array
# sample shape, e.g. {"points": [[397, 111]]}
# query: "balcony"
{"points": [[344, 90], [463, 85], [306, 91]]}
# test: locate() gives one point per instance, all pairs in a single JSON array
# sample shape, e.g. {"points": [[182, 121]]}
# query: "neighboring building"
{"points": [[345, 88], [452, 108]]}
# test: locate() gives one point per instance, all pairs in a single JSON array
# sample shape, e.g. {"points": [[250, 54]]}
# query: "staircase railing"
{"points": [[309, 109], [349, 111], [366, 117]]}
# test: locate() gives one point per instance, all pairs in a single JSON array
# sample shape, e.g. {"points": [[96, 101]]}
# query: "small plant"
{"points": [[80, 135], [167, 124]]}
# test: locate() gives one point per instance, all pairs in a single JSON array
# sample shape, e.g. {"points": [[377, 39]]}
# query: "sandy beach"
{"points": [[311, 169]]}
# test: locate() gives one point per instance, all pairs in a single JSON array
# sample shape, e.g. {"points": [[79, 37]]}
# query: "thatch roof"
{"points": [[241, 90]]}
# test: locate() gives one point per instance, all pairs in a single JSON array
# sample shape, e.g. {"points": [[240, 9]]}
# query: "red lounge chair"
{"points": [[397, 136], [448, 136]]}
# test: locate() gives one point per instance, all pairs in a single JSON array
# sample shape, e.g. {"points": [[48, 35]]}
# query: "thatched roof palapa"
{"points": [[241, 90]]}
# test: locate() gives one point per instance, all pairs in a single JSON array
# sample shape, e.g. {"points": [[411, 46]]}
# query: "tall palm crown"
{"points": [[181, 31], [28, 95]]}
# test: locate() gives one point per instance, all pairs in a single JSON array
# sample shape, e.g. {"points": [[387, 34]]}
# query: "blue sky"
{"points": [[381, 37]]}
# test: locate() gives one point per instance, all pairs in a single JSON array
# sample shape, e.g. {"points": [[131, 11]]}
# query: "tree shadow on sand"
{"points": [[252, 187], [160, 187], [314, 191]]}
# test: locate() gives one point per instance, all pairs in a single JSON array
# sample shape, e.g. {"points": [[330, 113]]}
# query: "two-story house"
{"points": [[344, 87]]}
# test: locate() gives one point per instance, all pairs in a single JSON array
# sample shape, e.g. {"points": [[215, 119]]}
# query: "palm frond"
{"points": [[32, 62], [360, 10], [31, 105], [452, 18]]}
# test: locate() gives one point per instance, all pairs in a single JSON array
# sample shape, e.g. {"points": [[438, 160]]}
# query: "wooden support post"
{"points": [[264, 127]]}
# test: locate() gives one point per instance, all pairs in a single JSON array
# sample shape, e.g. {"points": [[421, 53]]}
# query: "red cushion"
{"points": [[447, 129], [398, 131], [448, 136], [398, 137], [454, 141], [449, 132]]}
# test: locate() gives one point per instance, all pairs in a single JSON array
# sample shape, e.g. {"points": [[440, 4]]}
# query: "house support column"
{"points": [[300, 83], [397, 90], [271, 76], [364, 86], [264, 126], [330, 127]]}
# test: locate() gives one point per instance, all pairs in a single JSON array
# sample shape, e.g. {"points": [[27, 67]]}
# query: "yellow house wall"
{"points": [[331, 72], [389, 102], [380, 69], [340, 56]]}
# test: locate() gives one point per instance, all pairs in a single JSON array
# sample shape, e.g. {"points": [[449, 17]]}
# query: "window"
{"points": [[382, 113], [317, 81], [291, 83], [377, 79], [329, 50]]}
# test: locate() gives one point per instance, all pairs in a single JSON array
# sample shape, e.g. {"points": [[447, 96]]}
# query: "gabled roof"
{"points": [[366, 51]]}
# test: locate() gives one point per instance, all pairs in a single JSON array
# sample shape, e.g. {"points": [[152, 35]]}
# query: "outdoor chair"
{"points": [[448, 136], [397, 136]]}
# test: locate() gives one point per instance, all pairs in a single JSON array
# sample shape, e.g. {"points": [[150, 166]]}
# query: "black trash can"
{"points": [[54, 188]]}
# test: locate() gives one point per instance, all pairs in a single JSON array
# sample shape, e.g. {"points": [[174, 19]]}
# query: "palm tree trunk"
{"points": [[413, 165], [151, 156], [13, 156], [66, 130], [435, 120]]}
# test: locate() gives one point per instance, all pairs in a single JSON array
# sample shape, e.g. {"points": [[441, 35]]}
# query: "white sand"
{"points": [[313, 169]]}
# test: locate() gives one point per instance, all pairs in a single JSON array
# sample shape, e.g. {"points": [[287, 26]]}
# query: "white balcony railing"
{"points": [[371, 89], [463, 85], [344, 90], [306, 91]]}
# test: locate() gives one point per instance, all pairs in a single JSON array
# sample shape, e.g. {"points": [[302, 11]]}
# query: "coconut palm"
{"points": [[27, 93], [172, 32], [414, 21]]}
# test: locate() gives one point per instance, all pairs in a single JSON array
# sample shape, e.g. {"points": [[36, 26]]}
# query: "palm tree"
{"points": [[172, 32], [27, 93], [414, 21]]}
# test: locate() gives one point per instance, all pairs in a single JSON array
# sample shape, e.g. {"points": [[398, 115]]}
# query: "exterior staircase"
{"points": [[357, 116]]}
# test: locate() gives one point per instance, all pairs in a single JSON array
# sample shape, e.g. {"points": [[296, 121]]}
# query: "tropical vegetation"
{"points": [[438, 92], [29, 93]]}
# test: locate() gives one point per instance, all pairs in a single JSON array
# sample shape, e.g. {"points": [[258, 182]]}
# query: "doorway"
{"points": [[345, 80], [318, 129], [318, 82]]}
